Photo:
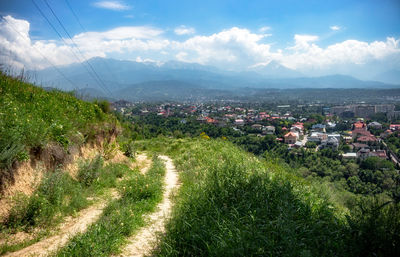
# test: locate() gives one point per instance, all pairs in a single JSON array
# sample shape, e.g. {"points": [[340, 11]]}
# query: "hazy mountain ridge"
{"points": [[173, 79]]}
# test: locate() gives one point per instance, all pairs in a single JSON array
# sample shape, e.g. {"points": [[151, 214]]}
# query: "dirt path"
{"points": [[73, 226], [143, 242], [143, 163], [70, 228]]}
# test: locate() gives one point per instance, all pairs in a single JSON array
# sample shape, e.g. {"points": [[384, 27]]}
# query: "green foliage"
{"points": [[128, 148], [109, 150], [374, 227], [90, 171], [58, 193], [376, 163], [104, 105], [140, 194], [231, 204], [30, 117]]}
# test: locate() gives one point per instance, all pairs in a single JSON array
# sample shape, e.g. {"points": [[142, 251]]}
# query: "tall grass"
{"points": [[139, 195], [30, 117], [231, 204]]}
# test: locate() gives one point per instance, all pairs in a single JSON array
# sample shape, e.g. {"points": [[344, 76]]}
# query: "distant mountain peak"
{"points": [[274, 69]]}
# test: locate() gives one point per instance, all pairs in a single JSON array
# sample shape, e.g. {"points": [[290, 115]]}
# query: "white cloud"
{"points": [[183, 30], [231, 49], [335, 28], [112, 5], [349, 53], [264, 29], [234, 48]]}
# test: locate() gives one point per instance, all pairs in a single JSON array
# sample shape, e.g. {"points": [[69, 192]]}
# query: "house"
{"points": [[360, 132], [269, 130], [331, 125], [239, 122], [379, 153], [257, 126], [319, 127], [337, 136], [359, 125], [375, 125], [291, 137], [317, 137], [331, 143], [299, 125], [394, 127], [366, 139], [386, 133], [363, 153], [349, 156], [358, 146]]}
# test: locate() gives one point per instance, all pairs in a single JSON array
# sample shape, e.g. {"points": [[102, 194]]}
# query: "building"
{"points": [[364, 111], [291, 137], [384, 108], [319, 127], [269, 130], [337, 136], [317, 137], [375, 125], [379, 153], [349, 156], [239, 122], [363, 153], [331, 143], [257, 127], [394, 127]]}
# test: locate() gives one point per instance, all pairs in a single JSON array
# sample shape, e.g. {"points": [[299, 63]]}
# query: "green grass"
{"points": [[31, 117], [232, 204], [58, 196], [121, 218]]}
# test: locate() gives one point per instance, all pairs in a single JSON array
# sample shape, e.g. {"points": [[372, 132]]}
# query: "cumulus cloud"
{"points": [[17, 49], [335, 28], [234, 48], [112, 5], [183, 30], [306, 55]]}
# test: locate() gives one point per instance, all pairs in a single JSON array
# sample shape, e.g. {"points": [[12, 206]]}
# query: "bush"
{"points": [[90, 171]]}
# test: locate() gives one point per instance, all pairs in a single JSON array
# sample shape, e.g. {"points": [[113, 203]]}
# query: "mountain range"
{"points": [[176, 80]]}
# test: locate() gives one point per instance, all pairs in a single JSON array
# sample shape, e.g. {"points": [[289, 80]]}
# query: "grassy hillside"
{"points": [[31, 117], [233, 204]]}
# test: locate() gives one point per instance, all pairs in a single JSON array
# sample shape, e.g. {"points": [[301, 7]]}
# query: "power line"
{"points": [[76, 46], [85, 30], [44, 57], [60, 36]]}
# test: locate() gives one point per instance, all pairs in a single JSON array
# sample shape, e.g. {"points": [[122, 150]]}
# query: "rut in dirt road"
{"points": [[75, 225], [142, 243], [68, 230]]}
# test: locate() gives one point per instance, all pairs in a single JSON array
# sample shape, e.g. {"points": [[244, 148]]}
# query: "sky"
{"points": [[354, 37]]}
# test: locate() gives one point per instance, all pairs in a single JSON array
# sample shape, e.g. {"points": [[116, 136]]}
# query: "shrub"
{"points": [[90, 171]]}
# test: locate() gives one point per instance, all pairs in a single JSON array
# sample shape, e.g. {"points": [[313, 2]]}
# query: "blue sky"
{"points": [[314, 37]]}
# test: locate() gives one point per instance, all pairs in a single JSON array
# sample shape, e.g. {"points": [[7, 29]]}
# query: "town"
{"points": [[356, 131]]}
